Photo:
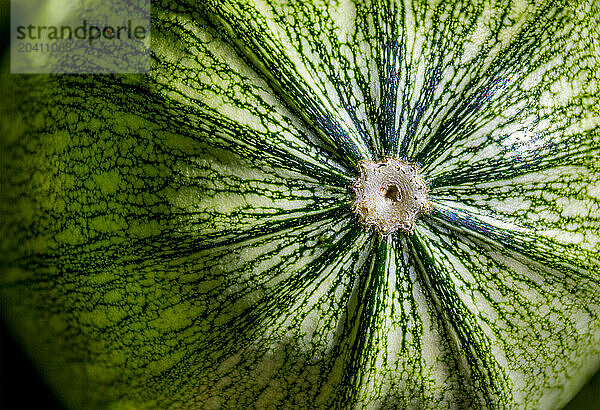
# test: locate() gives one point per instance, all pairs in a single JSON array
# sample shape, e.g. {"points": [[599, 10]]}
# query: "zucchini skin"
{"points": [[185, 238]]}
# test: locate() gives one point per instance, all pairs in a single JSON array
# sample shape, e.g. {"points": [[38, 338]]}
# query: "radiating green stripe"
{"points": [[484, 372], [304, 60], [401, 332], [516, 314], [550, 216], [184, 238], [229, 104], [529, 104]]}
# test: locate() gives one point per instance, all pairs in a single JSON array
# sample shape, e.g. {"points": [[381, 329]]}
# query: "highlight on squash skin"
{"points": [[390, 195]]}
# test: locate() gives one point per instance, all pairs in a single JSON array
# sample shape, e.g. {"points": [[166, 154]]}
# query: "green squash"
{"points": [[186, 238]]}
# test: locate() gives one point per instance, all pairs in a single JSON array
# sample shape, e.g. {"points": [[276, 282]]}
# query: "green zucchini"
{"points": [[186, 238]]}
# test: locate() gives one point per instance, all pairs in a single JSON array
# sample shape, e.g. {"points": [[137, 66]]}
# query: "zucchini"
{"points": [[186, 238]]}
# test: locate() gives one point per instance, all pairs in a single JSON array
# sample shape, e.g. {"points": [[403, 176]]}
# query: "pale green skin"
{"points": [[185, 239]]}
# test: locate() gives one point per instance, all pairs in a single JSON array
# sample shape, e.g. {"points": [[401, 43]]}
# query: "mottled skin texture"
{"points": [[185, 238]]}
